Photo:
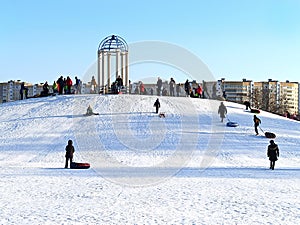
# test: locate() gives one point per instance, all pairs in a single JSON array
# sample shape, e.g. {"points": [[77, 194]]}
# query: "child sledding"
{"points": [[89, 111]]}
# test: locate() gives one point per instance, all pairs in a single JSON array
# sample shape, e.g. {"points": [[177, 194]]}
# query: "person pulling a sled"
{"points": [[157, 105], [222, 111], [69, 153], [273, 153], [256, 121]]}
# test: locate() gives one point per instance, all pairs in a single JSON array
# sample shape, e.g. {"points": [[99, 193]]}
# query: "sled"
{"points": [[91, 114], [270, 135], [231, 124], [162, 115], [76, 165], [255, 111]]}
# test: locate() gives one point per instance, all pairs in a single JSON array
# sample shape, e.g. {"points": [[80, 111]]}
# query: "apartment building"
{"points": [[266, 95], [289, 91], [10, 91], [237, 91]]}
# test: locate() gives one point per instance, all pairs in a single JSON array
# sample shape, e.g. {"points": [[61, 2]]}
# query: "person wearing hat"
{"points": [[273, 153]]}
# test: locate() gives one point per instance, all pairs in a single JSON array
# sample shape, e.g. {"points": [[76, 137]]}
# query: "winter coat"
{"points": [[256, 121], [199, 90], [159, 83], [119, 82], [187, 86], [157, 104], [222, 110], [273, 152], [69, 151], [69, 82]]}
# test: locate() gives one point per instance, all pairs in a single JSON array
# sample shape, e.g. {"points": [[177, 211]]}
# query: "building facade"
{"points": [[238, 91], [289, 91]]}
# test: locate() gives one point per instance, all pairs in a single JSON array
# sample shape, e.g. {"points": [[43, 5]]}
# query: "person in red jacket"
{"points": [[199, 91], [69, 84]]}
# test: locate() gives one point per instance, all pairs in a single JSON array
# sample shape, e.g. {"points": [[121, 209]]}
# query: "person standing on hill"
{"points": [[69, 153], [256, 121], [172, 87], [77, 85], [69, 84], [119, 83], [157, 105], [159, 86], [222, 111], [60, 85], [23, 91], [247, 104], [187, 88], [273, 153]]}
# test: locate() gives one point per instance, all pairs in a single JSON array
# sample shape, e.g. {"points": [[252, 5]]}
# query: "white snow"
{"points": [[187, 168]]}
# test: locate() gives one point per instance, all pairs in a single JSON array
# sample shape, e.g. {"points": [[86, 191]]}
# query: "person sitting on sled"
{"points": [[89, 111], [256, 121], [273, 153], [69, 153]]}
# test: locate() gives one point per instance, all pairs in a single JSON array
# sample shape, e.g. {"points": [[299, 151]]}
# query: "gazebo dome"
{"points": [[112, 43]]}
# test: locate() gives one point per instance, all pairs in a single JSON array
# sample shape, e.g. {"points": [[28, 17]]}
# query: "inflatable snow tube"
{"points": [[232, 124], [76, 165], [255, 111]]}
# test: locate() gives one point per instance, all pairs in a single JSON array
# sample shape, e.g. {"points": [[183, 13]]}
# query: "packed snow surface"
{"points": [[186, 168]]}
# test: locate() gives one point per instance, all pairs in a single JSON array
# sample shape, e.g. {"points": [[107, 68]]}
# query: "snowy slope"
{"points": [[187, 168]]}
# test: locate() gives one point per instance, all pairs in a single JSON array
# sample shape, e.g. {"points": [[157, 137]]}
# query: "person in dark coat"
{"points": [[157, 105], [273, 153], [159, 86], [222, 111], [60, 85], [119, 83], [45, 91], [23, 91], [187, 87], [256, 121], [69, 153], [247, 104]]}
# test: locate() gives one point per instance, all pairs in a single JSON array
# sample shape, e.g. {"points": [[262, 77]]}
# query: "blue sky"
{"points": [[253, 39]]}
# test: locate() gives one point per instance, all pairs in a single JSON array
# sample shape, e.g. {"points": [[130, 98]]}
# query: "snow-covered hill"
{"points": [[187, 168]]}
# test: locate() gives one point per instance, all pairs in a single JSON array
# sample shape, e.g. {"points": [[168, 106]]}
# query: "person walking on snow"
{"points": [[222, 111], [157, 105], [273, 153], [256, 121], [69, 153]]}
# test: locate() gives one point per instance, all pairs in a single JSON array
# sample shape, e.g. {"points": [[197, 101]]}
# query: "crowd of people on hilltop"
{"points": [[167, 89], [60, 86], [64, 86]]}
